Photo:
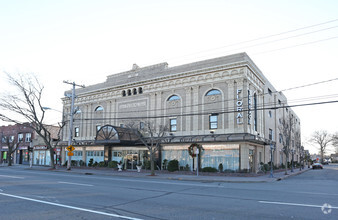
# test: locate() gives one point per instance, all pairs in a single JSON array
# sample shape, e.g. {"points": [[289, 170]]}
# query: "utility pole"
{"points": [[71, 120]]}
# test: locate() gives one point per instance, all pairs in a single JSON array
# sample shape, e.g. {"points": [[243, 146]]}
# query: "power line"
{"points": [[227, 100], [297, 45], [257, 39], [311, 84], [207, 113]]}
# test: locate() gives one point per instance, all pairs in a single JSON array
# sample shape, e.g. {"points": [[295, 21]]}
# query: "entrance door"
{"points": [[251, 161], [131, 159], [19, 156]]}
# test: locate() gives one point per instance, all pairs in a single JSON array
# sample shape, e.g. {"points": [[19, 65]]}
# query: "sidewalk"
{"points": [[203, 177]]}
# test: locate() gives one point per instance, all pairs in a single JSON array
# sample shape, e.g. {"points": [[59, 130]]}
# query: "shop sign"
{"points": [[249, 107], [23, 148], [40, 147], [239, 109]]}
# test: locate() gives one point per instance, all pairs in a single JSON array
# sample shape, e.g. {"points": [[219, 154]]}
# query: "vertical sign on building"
{"points": [[239, 104], [249, 107]]}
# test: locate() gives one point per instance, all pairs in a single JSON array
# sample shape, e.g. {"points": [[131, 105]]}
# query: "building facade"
{"points": [[20, 138], [41, 153], [225, 104], [27, 144]]}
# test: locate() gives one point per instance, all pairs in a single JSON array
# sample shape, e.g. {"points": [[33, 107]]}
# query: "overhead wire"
{"points": [[257, 39], [224, 101], [261, 38]]}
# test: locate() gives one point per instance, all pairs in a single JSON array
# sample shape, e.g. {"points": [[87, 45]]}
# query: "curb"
{"points": [[291, 174]]}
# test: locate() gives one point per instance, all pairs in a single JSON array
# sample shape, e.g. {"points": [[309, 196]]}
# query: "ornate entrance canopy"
{"points": [[109, 134]]}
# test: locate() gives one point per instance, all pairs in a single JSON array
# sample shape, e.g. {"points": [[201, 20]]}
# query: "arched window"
{"points": [[99, 108], [123, 93], [78, 111], [140, 90], [213, 92], [173, 97], [129, 92], [134, 91]]}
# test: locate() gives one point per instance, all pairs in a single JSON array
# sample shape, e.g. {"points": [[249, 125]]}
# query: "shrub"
{"points": [[82, 163], [228, 171], [165, 164], [73, 163], [95, 164], [220, 167], [173, 165], [102, 164], [244, 171], [266, 167], [147, 164], [187, 167], [112, 164], [209, 169], [91, 161]]}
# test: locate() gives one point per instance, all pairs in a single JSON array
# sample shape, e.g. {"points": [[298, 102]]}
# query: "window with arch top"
{"points": [[99, 109], [213, 92], [173, 98]]}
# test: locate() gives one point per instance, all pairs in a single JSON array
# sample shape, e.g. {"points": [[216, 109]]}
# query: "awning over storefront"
{"points": [[235, 137], [109, 134]]}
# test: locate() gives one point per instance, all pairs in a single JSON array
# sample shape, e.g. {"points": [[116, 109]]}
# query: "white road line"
{"points": [[14, 177], [70, 207], [313, 193], [294, 204], [79, 184]]}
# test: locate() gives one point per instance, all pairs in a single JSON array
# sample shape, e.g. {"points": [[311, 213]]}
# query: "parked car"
{"points": [[317, 166], [325, 162]]}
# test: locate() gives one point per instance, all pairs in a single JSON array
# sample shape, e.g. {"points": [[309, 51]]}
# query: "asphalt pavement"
{"points": [[202, 177]]}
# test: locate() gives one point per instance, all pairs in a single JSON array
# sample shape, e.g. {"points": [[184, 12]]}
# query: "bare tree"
{"points": [[323, 139], [26, 106], [335, 141], [12, 145], [151, 135], [286, 129]]}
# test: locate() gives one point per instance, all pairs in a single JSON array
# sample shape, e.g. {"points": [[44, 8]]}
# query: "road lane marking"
{"points": [[70, 207], [14, 177], [79, 184], [313, 193], [294, 204]]}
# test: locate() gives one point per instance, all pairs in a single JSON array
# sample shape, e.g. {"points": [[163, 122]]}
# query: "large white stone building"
{"points": [[224, 104]]}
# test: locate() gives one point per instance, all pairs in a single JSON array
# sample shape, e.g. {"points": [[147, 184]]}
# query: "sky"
{"points": [[293, 42]]}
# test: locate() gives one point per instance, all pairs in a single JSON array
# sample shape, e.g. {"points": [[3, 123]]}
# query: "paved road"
{"points": [[35, 194]]}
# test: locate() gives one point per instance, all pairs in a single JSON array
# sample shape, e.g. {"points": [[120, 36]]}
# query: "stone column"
{"points": [[195, 108], [188, 107]]}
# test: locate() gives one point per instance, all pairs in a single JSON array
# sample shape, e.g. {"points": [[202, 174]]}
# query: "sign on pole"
{"points": [[70, 148]]}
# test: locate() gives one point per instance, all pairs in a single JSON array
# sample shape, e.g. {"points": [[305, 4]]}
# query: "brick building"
{"points": [[21, 136]]}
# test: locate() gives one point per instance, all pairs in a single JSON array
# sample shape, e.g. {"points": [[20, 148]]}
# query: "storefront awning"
{"points": [[235, 137], [109, 134]]}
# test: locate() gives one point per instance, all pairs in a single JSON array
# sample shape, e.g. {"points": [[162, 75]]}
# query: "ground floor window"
{"points": [[210, 158], [41, 157], [94, 156]]}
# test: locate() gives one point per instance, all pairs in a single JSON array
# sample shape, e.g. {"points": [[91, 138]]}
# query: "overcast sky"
{"points": [[294, 43]]}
